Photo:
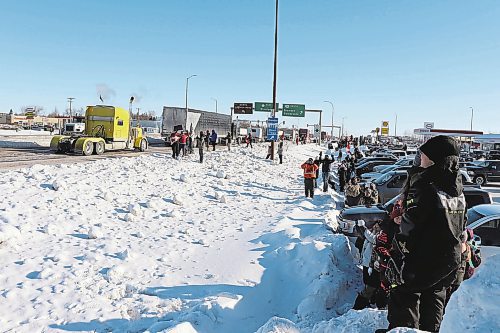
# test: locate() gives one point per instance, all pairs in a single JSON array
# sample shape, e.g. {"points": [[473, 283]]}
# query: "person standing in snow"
{"points": [[249, 140], [340, 155], [200, 142], [342, 172], [317, 161], [228, 141], [207, 139], [309, 176], [175, 147], [182, 143], [325, 171], [427, 251], [269, 152], [213, 139], [280, 152]]}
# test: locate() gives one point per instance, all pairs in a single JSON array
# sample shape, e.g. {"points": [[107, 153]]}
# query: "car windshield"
{"points": [[382, 179], [473, 216]]}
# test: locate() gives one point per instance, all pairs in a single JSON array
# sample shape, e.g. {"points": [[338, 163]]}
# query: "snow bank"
{"points": [[475, 306], [278, 325], [364, 321]]}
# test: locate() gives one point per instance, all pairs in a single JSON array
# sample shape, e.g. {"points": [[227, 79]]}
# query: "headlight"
{"points": [[470, 173]]}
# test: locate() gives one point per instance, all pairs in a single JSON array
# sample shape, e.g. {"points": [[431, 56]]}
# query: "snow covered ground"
{"points": [[153, 244]]}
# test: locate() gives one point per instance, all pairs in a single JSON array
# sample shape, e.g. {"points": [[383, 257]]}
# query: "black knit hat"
{"points": [[440, 147]]}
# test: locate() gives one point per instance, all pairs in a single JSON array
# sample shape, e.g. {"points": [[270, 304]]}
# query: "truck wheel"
{"points": [[99, 148], [480, 180], [143, 146], [88, 148]]}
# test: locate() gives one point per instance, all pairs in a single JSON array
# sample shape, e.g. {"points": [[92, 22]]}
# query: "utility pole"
{"points": [[333, 111], [187, 87], [396, 126], [216, 106], [70, 100], [471, 119], [275, 71], [471, 116]]}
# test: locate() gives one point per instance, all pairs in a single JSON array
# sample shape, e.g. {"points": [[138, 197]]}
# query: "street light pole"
{"points": [[471, 116], [187, 87], [275, 71], [216, 106], [333, 112], [70, 100], [396, 126]]}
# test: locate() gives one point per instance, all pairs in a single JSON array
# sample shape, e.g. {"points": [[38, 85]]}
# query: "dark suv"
{"points": [[378, 213], [484, 171]]}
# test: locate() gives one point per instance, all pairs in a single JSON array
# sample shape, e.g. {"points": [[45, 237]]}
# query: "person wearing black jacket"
{"points": [[326, 162], [317, 161], [427, 250], [342, 172]]}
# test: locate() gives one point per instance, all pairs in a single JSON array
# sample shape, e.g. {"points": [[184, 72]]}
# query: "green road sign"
{"points": [[294, 110], [265, 107]]}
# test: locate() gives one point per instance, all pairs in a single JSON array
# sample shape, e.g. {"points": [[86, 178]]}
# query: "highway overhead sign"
{"points": [[243, 108], [265, 107], [294, 110]]}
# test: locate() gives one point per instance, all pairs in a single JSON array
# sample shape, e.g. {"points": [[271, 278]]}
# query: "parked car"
{"points": [[391, 183], [347, 218], [400, 154], [364, 160], [485, 221], [368, 166], [369, 176], [404, 162], [493, 155], [484, 171]]}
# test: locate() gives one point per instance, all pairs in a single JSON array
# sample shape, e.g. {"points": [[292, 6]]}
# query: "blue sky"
{"points": [[422, 60]]}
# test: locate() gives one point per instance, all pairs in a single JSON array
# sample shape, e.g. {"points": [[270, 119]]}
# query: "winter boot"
{"points": [[360, 303]]}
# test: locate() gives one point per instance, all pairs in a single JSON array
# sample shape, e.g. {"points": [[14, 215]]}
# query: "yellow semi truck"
{"points": [[106, 128]]}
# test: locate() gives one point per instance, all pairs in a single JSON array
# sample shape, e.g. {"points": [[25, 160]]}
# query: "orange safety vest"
{"points": [[309, 170]]}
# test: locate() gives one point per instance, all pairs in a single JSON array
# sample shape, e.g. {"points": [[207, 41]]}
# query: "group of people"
{"points": [[279, 151], [360, 194], [416, 258], [311, 173], [347, 167], [413, 261], [183, 143]]}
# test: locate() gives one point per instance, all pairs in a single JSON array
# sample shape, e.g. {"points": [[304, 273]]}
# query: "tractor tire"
{"points": [[99, 148], [479, 180], [143, 146], [88, 148]]}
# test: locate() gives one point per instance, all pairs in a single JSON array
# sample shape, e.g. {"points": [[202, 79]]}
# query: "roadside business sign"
{"points": [[428, 125], [243, 108], [272, 129], [294, 110], [385, 123], [385, 130], [265, 107]]}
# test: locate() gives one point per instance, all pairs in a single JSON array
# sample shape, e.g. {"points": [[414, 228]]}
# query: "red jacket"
{"points": [[309, 170], [184, 138]]}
